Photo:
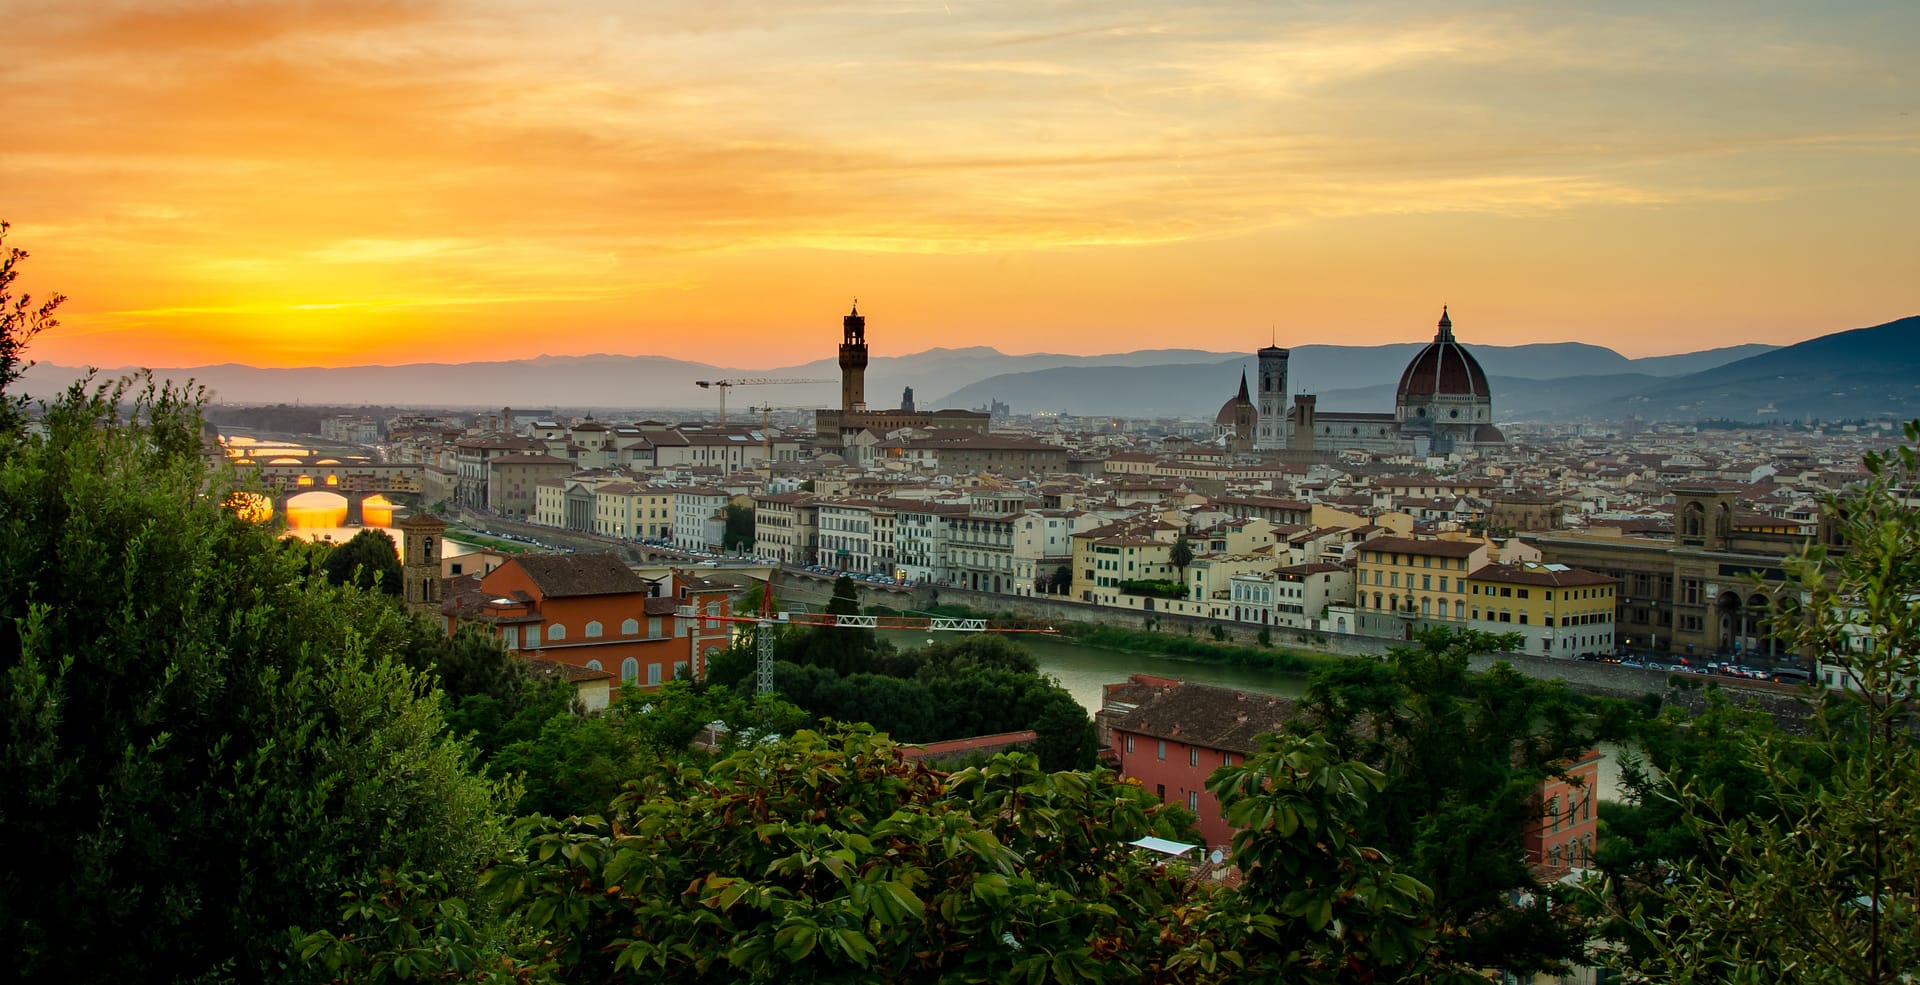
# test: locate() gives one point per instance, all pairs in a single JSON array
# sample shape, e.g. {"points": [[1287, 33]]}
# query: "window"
{"points": [[556, 631], [593, 629], [1193, 801], [629, 670], [1523, 617], [533, 637], [1129, 743], [593, 665], [1193, 755], [680, 670], [653, 675], [1161, 753], [1226, 759], [630, 627]]}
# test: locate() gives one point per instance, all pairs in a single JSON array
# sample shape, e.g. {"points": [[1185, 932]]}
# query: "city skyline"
{"points": [[370, 182]]}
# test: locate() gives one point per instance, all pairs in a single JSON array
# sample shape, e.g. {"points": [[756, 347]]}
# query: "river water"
{"points": [[1084, 670]]}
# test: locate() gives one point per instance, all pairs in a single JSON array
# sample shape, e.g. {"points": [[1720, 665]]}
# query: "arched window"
{"points": [[630, 627], [593, 665], [629, 670], [593, 629], [556, 631]]}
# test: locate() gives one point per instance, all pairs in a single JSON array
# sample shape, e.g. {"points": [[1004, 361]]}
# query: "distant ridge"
{"points": [[1585, 380], [1863, 372]]}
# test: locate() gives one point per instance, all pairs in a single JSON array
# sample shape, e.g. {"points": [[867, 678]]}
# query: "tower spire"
{"points": [[1446, 326]]}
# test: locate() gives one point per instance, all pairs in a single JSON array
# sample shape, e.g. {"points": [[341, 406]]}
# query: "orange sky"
{"points": [[362, 181]]}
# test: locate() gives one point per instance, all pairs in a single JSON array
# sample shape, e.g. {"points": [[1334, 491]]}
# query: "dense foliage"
{"points": [[205, 745], [370, 560], [1774, 857], [1463, 756]]}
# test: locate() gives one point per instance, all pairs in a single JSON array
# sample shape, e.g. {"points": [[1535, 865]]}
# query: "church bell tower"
{"points": [[420, 569], [1273, 398]]}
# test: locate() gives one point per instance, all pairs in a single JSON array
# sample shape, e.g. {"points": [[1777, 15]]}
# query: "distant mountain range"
{"points": [[1869, 372]]}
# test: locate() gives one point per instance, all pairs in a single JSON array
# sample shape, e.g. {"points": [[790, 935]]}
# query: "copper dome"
{"points": [[1443, 368], [1228, 411]]}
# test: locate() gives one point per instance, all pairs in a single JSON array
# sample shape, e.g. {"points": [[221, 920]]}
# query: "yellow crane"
{"points": [[724, 385]]}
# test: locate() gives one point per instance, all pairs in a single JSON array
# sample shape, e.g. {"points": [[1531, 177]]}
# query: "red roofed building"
{"points": [[1171, 736], [591, 611]]}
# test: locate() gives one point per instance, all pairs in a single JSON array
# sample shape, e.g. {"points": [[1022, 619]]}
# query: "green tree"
{"points": [[1463, 756], [20, 321], [1321, 903], [1815, 879], [205, 745], [739, 531], [370, 560], [830, 858], [1181, 555], [1063, 579], [576, 764]]}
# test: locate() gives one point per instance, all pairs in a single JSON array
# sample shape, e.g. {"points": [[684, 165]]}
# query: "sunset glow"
{"points": [[387, 181]]}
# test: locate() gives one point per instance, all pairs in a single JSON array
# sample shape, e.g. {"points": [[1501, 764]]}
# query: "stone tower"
{"points": [[853, 362], [1273, 399], [420, 569], [1703, 516]]}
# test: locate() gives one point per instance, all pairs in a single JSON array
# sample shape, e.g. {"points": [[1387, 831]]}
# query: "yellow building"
{"points": [[1408, 579], [1559, 611]]}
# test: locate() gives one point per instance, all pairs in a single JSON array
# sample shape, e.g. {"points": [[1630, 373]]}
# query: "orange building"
{"points": [[592, 611], [1563, 837]]}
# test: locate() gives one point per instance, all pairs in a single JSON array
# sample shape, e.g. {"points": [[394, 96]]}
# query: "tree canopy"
{"points": [[207, 745], [370, 560]]}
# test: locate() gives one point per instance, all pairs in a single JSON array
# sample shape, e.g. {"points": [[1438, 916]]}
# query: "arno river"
{"points": [[1083, 670]]}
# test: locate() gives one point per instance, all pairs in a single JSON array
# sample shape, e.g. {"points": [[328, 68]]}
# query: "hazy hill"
{"points": [[1528, 380], [1517, 399], [1865, 372], [1160, 382]]}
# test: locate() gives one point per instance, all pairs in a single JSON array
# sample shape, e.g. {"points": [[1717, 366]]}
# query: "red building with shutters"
{"points": [[1171, 736], [592, 611], [1564, 836]]}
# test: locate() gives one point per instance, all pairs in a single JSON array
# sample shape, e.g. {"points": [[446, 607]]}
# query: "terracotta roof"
{"points": [[1212, 717], [1433, 548], [565, 671], [565, 575]]}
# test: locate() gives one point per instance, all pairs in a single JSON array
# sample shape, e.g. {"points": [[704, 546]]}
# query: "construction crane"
{"points": [[724, 385], [767, 619]]}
